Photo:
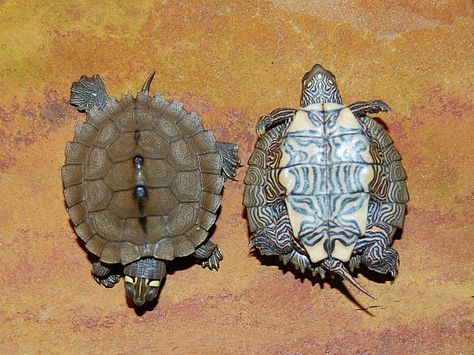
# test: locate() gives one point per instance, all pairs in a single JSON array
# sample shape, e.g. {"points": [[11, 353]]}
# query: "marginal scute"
{"points": [[75, 153], [175, 109], [159, 103], [258, 158], [212, 183], [261, 216], [85, 133], [72, 174], [110, 252], [73, 195], [387, 212], [204, 142], [391, 154], [85, 230], [164, 249], [183, 246], [210, 202], [206, 219], [78, 213], [396, 171], [255, 196], [95, 244], [398, 192], [210, 163], [198, 235], [128, 253]]}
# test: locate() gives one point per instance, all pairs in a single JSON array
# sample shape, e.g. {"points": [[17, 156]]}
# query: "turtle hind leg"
{"points": [[102, 274], [377, 255], [367, 107], [210, 254], [229, 153]]}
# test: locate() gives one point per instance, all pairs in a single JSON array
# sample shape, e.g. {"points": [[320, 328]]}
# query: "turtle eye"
{"points": [[151, 293], [129, 291]]}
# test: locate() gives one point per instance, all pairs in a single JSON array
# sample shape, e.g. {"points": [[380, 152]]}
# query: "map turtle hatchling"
{"points": [[143, 182], [325, 189]]}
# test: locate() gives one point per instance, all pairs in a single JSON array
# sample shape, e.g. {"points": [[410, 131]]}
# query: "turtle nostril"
{"points": [[138, 302]]}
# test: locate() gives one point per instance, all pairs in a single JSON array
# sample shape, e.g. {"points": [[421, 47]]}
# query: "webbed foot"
{"points": [[213, 261], [211, 255], [103, 276], [107, 281], [89, 93], [367, 107], [381, 261], [275, 118]]}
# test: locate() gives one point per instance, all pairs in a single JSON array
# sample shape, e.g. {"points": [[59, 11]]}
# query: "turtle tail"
{"points": [[338, 268]]}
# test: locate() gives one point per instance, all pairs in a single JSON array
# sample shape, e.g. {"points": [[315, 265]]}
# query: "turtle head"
{"points": [[319, 86], [143, 279], [141, 290]]}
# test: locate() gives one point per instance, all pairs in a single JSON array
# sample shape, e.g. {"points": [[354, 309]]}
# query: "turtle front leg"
{"points": [[377, 254], [367, 107], [211, 255], [275, 118], [102, 274]]}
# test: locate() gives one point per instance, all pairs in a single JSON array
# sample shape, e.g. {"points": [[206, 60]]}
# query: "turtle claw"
{"points": [[212, 263], [108, 281]]}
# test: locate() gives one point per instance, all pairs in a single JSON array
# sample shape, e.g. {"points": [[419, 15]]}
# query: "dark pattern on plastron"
{"points": [[317, 182]]}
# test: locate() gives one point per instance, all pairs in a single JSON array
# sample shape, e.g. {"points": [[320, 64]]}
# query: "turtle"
{"points": [[143, 183], [325, 189]]}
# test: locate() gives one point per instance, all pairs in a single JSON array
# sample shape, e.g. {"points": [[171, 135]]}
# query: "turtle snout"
{"points": [[138, 301]]}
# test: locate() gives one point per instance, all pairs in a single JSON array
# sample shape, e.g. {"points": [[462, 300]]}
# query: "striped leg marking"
{"points": [[368, 107], [377, 254]]}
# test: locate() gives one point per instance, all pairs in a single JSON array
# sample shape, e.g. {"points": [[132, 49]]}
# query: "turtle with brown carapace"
{"points": [[325, 189], [143, 182]]}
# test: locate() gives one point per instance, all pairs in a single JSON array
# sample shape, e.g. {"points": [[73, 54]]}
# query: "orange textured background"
{"points": [[232, 61]]}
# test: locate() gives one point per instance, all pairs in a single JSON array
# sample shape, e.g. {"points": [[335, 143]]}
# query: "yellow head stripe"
{"points": [[129, 279], [154, 283]]}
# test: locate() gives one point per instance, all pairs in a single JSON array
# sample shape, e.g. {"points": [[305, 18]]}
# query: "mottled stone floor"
{"points": [[233, 61]]}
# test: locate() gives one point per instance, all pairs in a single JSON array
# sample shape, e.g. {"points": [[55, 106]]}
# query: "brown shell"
{"points": [[182, 174]]}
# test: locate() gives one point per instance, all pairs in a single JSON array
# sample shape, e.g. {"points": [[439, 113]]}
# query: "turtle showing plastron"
{"points": [[143, 183], [325, 189]]}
